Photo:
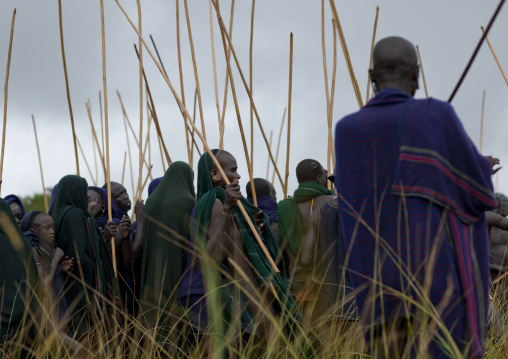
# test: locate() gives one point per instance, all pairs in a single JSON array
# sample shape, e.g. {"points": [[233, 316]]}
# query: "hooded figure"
{"points": [[18, 279], [166, 234], [79, 237], [18, 213]]}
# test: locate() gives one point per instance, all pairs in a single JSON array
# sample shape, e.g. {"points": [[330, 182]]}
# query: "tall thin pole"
{"points": [[371, 53], [495, 56], [289, 114], [325, 70], [196, 77], [481, 126], [40, 166], [102, 121], [140, 144], [6, 96], [250, 85], [108, 169], [216, 86], [67, 85], [207, 148], [101, 156], [423, 73], [86, 162], [123, 168], [278, 144], [268, 160]]}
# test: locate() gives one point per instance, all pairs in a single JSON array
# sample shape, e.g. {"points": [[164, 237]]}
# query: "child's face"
{"points": [[44, 227]]}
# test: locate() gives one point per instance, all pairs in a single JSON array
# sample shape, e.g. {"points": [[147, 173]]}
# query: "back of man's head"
{"points": [[262, 187], [310, 170]]}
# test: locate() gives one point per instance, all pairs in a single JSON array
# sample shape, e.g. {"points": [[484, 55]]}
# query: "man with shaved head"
{"points": [[413, 191]]}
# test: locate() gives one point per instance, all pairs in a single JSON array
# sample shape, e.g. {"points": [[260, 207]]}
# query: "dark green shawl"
{"points": [[78, 236], [291, 227], [166, 234], [18, 279], [265, 275]]}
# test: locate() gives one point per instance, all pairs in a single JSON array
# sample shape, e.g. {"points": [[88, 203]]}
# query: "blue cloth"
{"points": [[268, 205], [411, 181], [153, 185], [13, 198], [53, 196], [103, 220]]}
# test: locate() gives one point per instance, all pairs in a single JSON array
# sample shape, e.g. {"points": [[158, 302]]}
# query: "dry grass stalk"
{"points": [[6, 96], [371, 53], [346, 54], [495, 56], [423, 73], [40, 166], [278, 142], [214, 159], [286, 177], [106, 132], [67, 84]]}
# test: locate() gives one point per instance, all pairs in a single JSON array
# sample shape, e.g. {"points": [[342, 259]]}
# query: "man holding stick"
{"points": [[413, 190]]}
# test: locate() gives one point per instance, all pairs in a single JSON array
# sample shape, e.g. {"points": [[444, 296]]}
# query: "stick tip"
{"points": [[377, 8], [483, 29], [291, 34], [14, 12]]}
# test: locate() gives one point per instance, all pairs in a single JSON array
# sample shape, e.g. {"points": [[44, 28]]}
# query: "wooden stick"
{"points": [[67, 84], [126, 117], [196, 77], [129, 151], [477, 49], [194, 121], [207, 148], [278, 144], [268, 160], [330, 156], [371, 53], [289, 114], [481, 126], [89, 111], [346, 54], [123, 169], [240, 126], [187, 130], [216, 86], [222, 127], [96, 179], [251, 90], [102, 121], [40, 166], [223, 29], [7, 72], [154, 113], [86, 162], [423, 74], [162, 156], [323, 45], [148, 175], [108, 169], [495, 56], [140, 144]]}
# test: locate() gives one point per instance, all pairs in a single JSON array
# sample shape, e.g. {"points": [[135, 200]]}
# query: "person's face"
{"points": [[95, 203], [44, 227], [322, 178], [16, 212], [230, 167], [120, 195]]}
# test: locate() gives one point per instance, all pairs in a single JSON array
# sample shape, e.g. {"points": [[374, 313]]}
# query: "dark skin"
{"points": [[43, 226], [121, 233], [120, 195], [16, 212], [224, 241], [395, 65]]}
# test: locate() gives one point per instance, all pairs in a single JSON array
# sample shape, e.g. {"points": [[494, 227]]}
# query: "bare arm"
{"points": [[137, 242], [219, 241], [38, 264], [496, 220]]}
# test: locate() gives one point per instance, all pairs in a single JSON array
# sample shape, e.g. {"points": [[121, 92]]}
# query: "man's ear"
{"points": [[373, 79], [416, 76]]}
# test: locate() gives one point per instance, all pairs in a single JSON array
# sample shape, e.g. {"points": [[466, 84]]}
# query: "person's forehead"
{"points": [[43, 220], [117, 188], [15, 205], [94, 194], [227, 160]]}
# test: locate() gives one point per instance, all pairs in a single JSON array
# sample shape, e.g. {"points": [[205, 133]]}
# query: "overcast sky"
{"points": [[446, 32]]}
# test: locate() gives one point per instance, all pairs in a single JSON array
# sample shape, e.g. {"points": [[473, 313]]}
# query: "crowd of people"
{"points": [[395, 241]]}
